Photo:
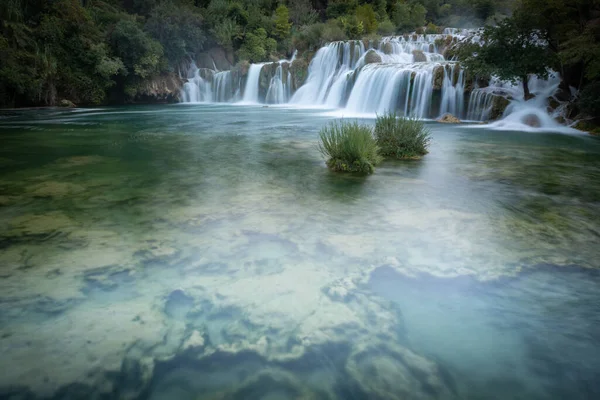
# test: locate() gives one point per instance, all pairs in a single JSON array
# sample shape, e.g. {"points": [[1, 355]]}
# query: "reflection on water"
{"points": [[206, 252]]}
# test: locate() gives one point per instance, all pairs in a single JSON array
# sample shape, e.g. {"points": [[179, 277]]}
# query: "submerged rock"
{"points": [[532, 120], [448, 119]]}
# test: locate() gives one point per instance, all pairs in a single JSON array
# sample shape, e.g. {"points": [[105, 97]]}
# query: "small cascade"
{"points": [[453, 91], [480, 105], [196, 89], [251, 90], [330, 67], [407, 74], [224, 88], [279, 87]]}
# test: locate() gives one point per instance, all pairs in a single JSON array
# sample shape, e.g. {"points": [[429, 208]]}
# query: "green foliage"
{"points": [[257, 46], [386, 28], [589, 100], [352, 27], [302, 12], [140, 53], [349, 147], [309, 36], [366, 16], [282, 22], [401, 138], [333, 31], [407, 16], [339, 8], [226, 32], [510, 51], [178, 29]]}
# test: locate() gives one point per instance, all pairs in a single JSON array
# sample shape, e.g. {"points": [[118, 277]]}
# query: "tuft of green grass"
{"points": [[349, 147], [400, 137]]}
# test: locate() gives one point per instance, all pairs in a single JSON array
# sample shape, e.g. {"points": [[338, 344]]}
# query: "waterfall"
{"points": [[252, 84], [330, 67], [453, 93], [480, 105], [407, 74], [196, 89], [279, 87], [224, 88]]}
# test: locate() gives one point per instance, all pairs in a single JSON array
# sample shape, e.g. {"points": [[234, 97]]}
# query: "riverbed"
{"points": [[206, 252]]}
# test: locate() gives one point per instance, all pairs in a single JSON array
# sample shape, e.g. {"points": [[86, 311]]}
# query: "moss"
{"points": [[588, 126]]}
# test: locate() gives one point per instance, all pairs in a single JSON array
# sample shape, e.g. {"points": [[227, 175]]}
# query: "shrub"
{"points": [[349, 147], [386, 28], [401, 138], [333, 31], [589, 101]]}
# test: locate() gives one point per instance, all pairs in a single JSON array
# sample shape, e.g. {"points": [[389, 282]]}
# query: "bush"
{"points": [[333, 32], [386, 28], [349, 147], [401, 138], [589, 101]]}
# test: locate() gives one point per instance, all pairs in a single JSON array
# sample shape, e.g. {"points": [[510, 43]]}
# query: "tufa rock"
{"points": [[67, 103], [371, 57], [448, 119], [419, 56], [532, 120]]}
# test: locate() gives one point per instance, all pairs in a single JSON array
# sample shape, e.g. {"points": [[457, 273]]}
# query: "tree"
{"points": [[178, 29], [510, 51], [302, 12], [366, 15], [282, 22], [257, 46]]}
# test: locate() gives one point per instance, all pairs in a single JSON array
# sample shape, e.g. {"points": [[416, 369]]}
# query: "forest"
{"points": [[103, 51]]}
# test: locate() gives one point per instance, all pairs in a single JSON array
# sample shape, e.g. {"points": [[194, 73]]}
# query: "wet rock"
{"points": [[448, 119], [553, 104], [499, 105], [161, 89], [78, 161], [371, 57], [393, 372], [438, 77], [66, 103], [419, 56], [532, 120], [206, 74], [387, 48], [35, 224], [299, 71]]}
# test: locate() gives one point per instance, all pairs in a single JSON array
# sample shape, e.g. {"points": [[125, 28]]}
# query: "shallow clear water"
{"points": [[202, 252]]}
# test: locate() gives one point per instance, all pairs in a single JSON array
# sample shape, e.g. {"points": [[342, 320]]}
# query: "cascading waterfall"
{"points": [[480, 105], [453, 93], [252, 85], [407, 74], [279, 87], [196, 89]]}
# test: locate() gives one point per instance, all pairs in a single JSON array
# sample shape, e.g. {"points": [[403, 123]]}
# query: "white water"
{"points": [[410, 76], [251, 90]]}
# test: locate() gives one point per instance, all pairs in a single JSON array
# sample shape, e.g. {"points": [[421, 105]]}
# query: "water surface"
{"points": [[205, 251]]}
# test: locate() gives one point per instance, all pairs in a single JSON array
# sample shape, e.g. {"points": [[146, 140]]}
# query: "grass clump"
{"points": [[349, 147], [401, 138]]}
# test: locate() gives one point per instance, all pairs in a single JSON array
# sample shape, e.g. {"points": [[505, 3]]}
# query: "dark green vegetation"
{"points": [[401, 138], [349, 147], [541, 34], [102, 51]]}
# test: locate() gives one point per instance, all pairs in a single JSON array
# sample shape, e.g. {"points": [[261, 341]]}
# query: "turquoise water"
{"points": [[206, 252]]}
